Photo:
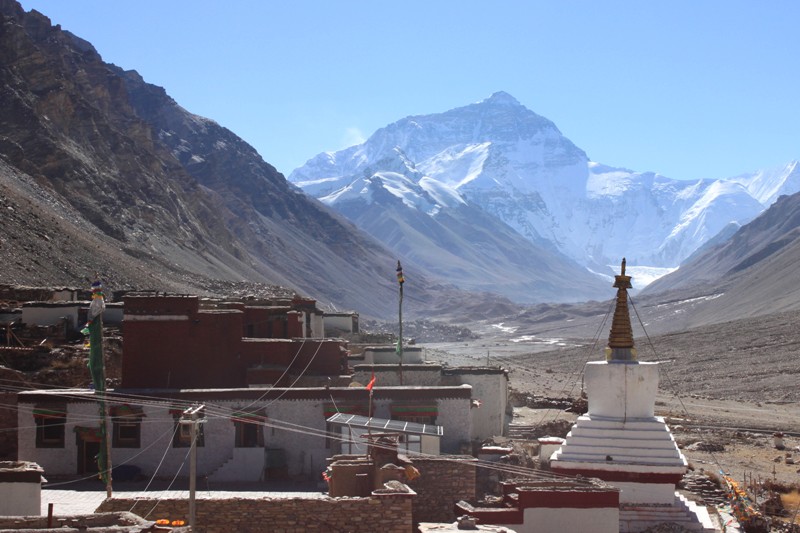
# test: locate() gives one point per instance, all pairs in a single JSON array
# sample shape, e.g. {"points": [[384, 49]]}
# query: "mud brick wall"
{"points": [[387, 513], [444, 481]]}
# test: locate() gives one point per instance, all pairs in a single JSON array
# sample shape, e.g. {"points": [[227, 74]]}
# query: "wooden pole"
{"points": [[369, 425], [106, 415], [400, 339], [401, 280]]}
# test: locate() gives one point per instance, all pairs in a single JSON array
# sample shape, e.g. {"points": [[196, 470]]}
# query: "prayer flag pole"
{"points": [[369, 411], [400, 281], [94, 328]]}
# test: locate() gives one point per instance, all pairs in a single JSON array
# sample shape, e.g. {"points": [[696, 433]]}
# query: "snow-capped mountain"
{"points": [[431, 224], [516, 166], [766, 185]]}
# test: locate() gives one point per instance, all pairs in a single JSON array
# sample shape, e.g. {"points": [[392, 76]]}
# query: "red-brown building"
{"points": [[174, 342]]}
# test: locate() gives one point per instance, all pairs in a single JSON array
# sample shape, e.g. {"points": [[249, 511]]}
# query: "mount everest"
{"points": [[458, 189]]}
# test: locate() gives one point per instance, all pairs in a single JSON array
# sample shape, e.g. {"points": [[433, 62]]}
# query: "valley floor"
{"points": [[729, 386]]}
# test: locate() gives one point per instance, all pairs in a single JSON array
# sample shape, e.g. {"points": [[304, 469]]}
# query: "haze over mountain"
{"points": [[517, 167]]}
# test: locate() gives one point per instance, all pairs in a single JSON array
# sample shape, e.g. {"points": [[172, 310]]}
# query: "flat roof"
{"points": [[399, 426], [261, 393]]}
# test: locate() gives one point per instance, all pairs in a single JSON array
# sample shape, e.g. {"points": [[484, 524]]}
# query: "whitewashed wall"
{"points": [[20, 499], [491, 390], [566, 520], [54, 461], [389, 375], [455, 418], [338, 323], [383, 355], [65, 295], [301, 437], [316, 329], [50, 315]]}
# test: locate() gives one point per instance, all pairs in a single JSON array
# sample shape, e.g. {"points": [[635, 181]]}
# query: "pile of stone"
{"points": [[701, 485]]}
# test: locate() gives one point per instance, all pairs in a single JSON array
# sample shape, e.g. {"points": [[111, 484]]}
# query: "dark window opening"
{"points": [[50, 432], [249, 434], [127, 433]]}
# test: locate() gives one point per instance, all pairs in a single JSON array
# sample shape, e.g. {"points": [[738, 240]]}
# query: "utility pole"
{"points": [[191, 418]]}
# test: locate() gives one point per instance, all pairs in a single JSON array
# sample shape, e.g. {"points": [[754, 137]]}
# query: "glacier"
{"points": [[516, 166]]}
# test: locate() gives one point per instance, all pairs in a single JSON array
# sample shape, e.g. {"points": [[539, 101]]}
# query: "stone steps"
{"points": [[687, 514]]}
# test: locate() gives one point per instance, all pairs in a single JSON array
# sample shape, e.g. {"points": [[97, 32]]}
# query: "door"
{"points": [[87, 456]]}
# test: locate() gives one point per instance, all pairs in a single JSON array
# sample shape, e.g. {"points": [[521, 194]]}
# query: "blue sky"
{"points": [[689, 89]]}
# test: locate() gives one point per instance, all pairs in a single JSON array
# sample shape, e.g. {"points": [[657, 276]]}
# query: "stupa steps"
{"points": [[610, 456], [627, 424], [690, 516], [617, 441]]}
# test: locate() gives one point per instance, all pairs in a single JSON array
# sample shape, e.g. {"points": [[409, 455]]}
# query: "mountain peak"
{"points": [[502, 98]]}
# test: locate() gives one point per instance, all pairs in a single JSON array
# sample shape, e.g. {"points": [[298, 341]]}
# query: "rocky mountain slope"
{"points": [[519, 168], [102, 173], [752, 273]]}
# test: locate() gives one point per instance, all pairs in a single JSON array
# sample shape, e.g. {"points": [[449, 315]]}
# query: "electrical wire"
{"points": [[663, 368], [219, 412], [158, 467]]}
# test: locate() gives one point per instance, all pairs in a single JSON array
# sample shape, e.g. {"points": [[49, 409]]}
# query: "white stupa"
{"points": [[621, 441]]}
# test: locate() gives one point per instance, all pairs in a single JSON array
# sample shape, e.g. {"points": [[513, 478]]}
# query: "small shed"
{"points": [[414, 437]]}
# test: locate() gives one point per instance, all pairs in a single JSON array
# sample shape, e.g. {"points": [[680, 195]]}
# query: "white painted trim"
{"points": [[155, 318]]}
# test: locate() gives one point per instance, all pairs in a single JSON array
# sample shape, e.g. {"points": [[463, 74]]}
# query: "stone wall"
{"points": [[387, 513], [444, 481]]}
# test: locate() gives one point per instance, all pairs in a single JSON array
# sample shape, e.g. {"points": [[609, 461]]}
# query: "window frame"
{"points": [[120, 441], [46, 424]]}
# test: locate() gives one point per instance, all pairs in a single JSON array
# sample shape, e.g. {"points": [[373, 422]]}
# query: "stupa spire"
{"points": [[620, 340]]}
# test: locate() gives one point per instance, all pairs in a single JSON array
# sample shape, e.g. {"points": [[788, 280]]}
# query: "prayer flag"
{"points": [[400, 278], [95, 327], [371, 383]]}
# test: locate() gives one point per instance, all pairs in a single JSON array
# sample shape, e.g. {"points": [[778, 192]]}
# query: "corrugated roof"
{"points": [[398, 426]]}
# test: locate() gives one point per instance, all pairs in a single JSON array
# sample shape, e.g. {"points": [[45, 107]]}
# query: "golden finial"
{"points": [[620, 339]]}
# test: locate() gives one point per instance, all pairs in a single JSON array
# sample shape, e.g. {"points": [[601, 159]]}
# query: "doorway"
{"points": [[87, 456]]}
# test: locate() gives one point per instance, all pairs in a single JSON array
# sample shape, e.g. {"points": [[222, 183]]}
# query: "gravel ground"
{"points": [[730, 384]]}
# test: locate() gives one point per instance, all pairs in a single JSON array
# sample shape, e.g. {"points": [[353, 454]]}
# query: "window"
{"points": [[127, 429], [248, 434], [127, 432], [50, 431], [249, 428], [50, 421]]}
